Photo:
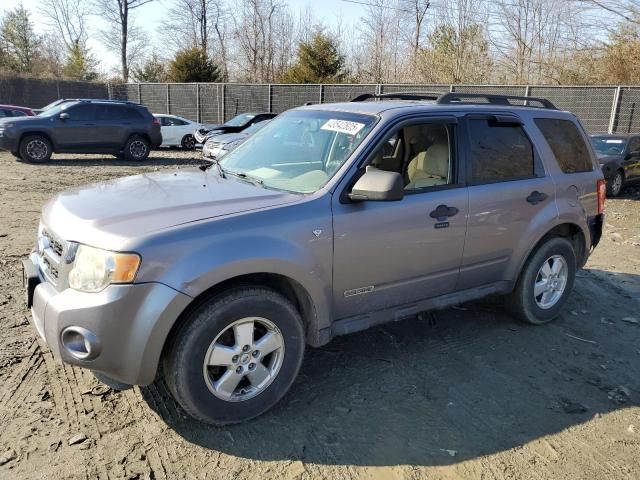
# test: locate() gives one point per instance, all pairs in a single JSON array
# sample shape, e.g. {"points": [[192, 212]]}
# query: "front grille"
{"points": [[52, 254]]}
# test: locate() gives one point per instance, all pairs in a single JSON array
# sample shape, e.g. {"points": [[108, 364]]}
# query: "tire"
{"points": [[188, 142], [531, 308], [137, 149], [201, 390], [35, 149], [614, 186]]}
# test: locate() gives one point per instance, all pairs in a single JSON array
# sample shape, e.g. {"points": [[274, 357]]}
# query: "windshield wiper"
{"points": [[249, 178], [218, 167]]}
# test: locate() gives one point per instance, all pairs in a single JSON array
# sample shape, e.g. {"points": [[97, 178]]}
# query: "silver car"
{"points": [[218, 146], [331, 219]]}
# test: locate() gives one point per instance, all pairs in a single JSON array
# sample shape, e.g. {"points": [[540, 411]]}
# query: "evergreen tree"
{"points": [[319, 61], [193, 65], [20, 44], [153, 70], [80, 64]]}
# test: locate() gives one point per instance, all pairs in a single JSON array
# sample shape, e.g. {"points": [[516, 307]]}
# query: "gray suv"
{"points": [[331, 219]]}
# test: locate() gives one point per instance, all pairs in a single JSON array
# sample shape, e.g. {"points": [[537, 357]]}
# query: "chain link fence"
{"points": [[614, 109], [36, 92], [601, 108]]}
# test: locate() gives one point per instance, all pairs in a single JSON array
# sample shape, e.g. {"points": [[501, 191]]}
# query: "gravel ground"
{"points": [[466, 393]]}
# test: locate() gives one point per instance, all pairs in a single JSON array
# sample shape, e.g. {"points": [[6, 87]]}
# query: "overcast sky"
{"points": [[148, 17]]}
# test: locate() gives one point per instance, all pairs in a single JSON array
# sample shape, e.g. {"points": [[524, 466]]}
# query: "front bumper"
{"points": [[8, 141], [124, 326], [212, 153]]}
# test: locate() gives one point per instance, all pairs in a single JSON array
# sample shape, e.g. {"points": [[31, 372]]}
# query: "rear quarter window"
{"points": [[567, 144]]}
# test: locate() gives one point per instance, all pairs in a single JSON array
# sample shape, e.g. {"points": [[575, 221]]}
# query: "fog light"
{"points": [[80, 343]]}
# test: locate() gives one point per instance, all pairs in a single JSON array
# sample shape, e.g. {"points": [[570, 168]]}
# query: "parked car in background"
{"points": [[82, 126], [60, 101], [219, 145], [619, 158], [236, 124], [334, 218], [15, 111], [177, 131]]}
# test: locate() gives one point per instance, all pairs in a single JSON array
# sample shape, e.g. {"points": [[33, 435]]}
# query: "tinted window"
{"points": [[173, 122], [82, 112], [609, 145], [18, 113], [567, 144], [634, 145], [499, 152], [4, 113], [240, 120]]}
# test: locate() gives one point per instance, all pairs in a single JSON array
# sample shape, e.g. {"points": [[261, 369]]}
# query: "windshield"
{"points": [[300, 150], [55, 110], [609, 145], [239, 120]]}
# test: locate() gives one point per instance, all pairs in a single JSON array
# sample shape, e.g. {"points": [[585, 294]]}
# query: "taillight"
{"points": [[156, 121], [601, 186]]}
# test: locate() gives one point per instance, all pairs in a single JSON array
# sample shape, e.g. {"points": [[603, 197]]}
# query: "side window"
{"points": [[634, 145], [421, 153], [567, 144], [4, 113], [82, 113], [499, 152], [17, 113]]}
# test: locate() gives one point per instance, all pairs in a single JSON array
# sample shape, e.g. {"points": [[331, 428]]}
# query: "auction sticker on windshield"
{"points": [[343, 126]]}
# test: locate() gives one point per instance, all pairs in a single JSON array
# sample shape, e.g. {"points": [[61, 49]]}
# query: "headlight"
{"points": [[94, 269]]}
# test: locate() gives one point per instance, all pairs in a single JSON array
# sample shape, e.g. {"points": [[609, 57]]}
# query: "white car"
{"points": [[177, 131]]}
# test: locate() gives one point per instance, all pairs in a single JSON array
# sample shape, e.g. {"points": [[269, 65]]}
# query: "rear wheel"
{"points": [[35, 149], [545, 282], [614, 186], [137, 149], [235, 356], [188, 142]]}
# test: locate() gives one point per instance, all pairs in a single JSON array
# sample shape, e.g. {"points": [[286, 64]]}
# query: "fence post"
{"points": [[139, 93], [527, 93], [322, 93], [198, 107], [168, 98], [451, 88], [615, 107], [224, 113], [269, 98]]}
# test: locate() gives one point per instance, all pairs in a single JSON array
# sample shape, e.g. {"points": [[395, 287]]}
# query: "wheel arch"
{"points": [[42, 133], [291, 289], [572, 232]]}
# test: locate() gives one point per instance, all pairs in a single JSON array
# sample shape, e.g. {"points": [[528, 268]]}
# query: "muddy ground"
{"points": [[468, 393]]}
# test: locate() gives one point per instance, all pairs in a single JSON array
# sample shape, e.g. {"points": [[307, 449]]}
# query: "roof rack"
{"points": [[460, 97], [398, 96]]}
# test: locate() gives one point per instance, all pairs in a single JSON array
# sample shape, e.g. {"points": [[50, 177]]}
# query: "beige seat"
{"points": [[429, 168]]}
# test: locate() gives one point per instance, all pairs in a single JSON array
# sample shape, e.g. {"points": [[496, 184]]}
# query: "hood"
{"points": [[229, 137], [19, 119], [111, 213]]}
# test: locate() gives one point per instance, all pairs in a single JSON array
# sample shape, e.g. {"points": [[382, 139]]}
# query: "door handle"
{"points": [[443, 211], [536, 197]]}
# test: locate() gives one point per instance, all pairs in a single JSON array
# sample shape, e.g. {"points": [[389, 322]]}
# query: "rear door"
{"points": [[507, 190], [390, 254]]}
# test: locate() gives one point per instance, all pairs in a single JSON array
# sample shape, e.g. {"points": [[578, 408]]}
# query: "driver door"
{"points": [[391, 253]]}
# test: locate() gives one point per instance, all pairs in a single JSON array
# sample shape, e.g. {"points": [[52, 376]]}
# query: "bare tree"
{"points": [[68, 18], [121, 34], [628, 10]]}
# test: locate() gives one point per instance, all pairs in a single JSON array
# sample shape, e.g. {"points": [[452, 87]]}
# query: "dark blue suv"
{"points": [[83, 126]]}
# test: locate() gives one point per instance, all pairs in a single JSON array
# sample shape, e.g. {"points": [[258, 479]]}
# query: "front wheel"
{"points": [[235, 356], [137, 149], [545, 282], [35, 149], [188, 142], [614, 186]]}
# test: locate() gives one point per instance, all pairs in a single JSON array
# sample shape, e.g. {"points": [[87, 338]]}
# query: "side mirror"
{"points": [[63, 116], [378, 185]]}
